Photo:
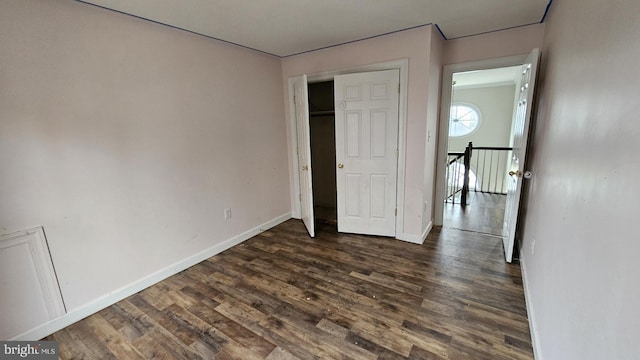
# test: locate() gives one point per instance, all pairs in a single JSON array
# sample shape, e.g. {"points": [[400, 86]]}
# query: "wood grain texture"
{"points": [[283, 295], [484, 213]]}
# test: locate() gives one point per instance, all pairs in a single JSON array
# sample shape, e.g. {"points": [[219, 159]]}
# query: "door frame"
{"points": [[443, 127], [403, 66]]}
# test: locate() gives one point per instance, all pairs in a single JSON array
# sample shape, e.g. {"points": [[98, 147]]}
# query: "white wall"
{"points": [[580, 235], [126, 140], [413, 44]]}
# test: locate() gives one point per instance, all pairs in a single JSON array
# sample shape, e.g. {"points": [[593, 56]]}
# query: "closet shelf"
{"points": [[322, 113]]}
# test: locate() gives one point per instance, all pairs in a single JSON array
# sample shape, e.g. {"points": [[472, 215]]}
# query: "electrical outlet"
{"points": [[227, 213]]}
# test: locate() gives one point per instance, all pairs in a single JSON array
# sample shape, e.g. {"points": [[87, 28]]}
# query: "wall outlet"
{"points": [[227, 213]]}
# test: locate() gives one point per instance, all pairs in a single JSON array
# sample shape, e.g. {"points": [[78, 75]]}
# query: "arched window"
{"points": [[464, 119]]}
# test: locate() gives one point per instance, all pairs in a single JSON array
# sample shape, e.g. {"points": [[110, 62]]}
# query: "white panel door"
{"points": [[301, 103], [520, 138], [367, 151], [29, 292]]}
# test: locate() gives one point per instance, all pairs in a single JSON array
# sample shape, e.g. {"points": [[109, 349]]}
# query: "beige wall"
{"points": [[412, 44], [126, 140], [516, 41], [580, 240], [434, 78]]}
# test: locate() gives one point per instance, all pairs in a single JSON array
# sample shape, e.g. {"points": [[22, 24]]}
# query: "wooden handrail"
{"points": [[457, 157], [492, 148]]}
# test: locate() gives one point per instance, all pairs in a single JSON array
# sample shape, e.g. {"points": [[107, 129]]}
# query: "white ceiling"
{"points": [[489, 77], [287, 27]]}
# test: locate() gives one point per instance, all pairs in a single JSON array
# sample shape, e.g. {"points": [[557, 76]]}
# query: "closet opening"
{"points": [[322, 127]]}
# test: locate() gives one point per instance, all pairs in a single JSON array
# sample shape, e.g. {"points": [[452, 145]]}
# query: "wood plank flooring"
{"points": [[283, 295], [484, 213]]}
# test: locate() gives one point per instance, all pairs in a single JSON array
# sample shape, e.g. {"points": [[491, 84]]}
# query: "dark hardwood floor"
{"points": [[484, 213], [283, 295]]}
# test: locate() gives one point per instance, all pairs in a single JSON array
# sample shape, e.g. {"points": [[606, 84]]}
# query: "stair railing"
{"points": [[489, 174]]}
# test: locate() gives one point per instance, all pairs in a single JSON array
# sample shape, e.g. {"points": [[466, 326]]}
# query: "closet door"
{"points": [[367, 151], [300, 101]]}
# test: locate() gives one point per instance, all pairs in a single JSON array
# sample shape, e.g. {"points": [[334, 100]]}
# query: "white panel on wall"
{"points": [[29, 292]]}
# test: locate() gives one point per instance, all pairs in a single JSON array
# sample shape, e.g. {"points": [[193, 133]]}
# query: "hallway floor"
{"points": [[484, 213]]}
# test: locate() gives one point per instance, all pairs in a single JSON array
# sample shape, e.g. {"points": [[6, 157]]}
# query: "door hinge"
{"points": [[398, 88], [396, 211], [297, 151], [397, 153], [300, 196]]}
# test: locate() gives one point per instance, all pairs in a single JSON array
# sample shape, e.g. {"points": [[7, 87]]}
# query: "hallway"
{"points": [[484, 213]]}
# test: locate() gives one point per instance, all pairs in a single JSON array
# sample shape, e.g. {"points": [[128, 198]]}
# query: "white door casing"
{"points": [[366, 107], [521, 127], [443, 127], [301, 104], [29, 291]]}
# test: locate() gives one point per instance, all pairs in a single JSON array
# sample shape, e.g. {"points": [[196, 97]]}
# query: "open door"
{"points": [[300, 101], [520, 137], [367, 151]]}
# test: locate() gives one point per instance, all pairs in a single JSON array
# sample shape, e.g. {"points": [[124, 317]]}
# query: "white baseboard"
{"points": [[113, 297], [533, 329], [416, 239]]}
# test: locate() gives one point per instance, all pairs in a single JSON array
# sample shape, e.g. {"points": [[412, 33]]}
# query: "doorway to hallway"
{"points": [[479, 143], [462, 120]]}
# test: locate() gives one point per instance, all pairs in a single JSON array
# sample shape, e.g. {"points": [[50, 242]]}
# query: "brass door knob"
{"points": [[305, 168], [340, 166], [516, 173]]}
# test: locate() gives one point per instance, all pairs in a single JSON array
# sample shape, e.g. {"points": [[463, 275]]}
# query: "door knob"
{"points": [[340, 166], [526, 174]]}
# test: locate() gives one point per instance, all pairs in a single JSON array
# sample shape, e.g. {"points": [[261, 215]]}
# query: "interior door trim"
{"points": [[443, 126]]}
